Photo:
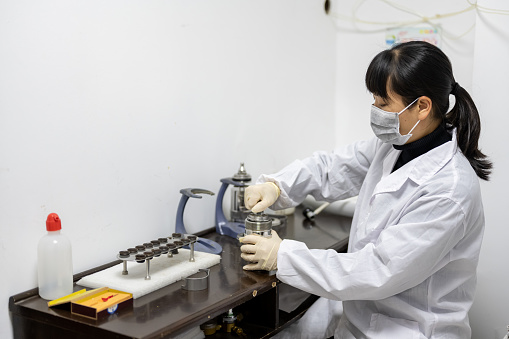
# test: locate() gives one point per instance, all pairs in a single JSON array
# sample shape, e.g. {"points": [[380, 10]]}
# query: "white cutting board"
{"points": [[163, 271]]}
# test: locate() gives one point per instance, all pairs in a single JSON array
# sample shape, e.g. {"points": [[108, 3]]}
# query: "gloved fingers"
{"points": [[251, 196], [248, 257], [259, 197], [252, 239], [260, 207], [250, 202], [251, 267], [249, 249]]}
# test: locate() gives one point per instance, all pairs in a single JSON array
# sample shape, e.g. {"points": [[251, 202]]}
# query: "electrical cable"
{"points": [[422, 18], [354, 18], [321, 208], [489, 10], [310, 215]]}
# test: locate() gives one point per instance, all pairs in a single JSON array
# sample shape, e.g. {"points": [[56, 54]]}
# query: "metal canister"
{"points": [[258, 223]]}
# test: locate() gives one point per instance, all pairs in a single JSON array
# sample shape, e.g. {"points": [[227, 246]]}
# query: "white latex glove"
{"points": [[259, 197], [260, 251]]}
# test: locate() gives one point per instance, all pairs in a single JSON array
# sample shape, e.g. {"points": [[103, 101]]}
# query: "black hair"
{"points": [[413, 69]]}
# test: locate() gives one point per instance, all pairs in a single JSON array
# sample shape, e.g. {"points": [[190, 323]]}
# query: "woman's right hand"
{"points": [[259, 197]]}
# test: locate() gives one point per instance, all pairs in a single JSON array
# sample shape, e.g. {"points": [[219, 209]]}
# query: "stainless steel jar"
{"points": [[259, 223]]}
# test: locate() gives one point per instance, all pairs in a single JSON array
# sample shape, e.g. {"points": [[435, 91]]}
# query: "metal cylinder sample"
{"points": [[259, 223]]}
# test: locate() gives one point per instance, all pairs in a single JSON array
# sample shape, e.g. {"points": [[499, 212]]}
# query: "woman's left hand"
{"points": [[260, 251]]}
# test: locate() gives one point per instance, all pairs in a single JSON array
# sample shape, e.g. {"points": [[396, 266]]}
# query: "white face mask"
{"points": [[385, 125]]}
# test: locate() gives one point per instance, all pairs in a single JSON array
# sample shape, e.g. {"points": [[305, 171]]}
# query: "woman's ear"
{"points": [[424, 104]]}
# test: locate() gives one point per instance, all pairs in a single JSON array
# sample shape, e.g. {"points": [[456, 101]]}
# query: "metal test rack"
{"points": [[155, 248]]}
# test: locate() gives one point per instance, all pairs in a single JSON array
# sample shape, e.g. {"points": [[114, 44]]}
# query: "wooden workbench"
{"points": [[170, 311]]}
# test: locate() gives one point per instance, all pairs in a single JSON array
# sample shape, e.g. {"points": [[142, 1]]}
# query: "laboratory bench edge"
{"points": [[170, 311]]}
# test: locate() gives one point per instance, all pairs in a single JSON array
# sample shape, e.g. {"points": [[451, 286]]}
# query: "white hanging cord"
{"points": [[354, 18], [422, 18], [489, 10]]}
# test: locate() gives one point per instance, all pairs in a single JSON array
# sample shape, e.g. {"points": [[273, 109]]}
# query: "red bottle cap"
{"points": [[53, 223]]}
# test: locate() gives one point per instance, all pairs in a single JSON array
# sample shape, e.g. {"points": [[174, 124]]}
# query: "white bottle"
{"points": [[54, 261]]}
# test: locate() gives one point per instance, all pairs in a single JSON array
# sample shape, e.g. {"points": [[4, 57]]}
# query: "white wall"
{"points": [[109, 108], [490, 312]]}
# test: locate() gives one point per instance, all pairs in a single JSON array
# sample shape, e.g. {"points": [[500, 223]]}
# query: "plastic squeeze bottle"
{"points": [[54, 261]]}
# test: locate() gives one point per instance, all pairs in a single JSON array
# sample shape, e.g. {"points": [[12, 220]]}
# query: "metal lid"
{"points": [[258, 222], [242, 175]]}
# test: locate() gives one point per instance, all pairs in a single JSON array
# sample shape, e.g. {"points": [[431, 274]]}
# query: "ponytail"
{"points": [[465, 117]]}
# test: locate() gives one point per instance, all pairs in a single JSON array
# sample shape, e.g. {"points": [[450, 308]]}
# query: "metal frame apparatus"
{"points": [[202, 245], [155, 248]]}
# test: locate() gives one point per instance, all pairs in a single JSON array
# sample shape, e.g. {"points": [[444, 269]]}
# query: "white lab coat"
{"points": [[410, 270]]}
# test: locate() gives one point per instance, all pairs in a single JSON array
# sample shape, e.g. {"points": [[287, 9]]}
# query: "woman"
{"points": [[410, 270]]}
